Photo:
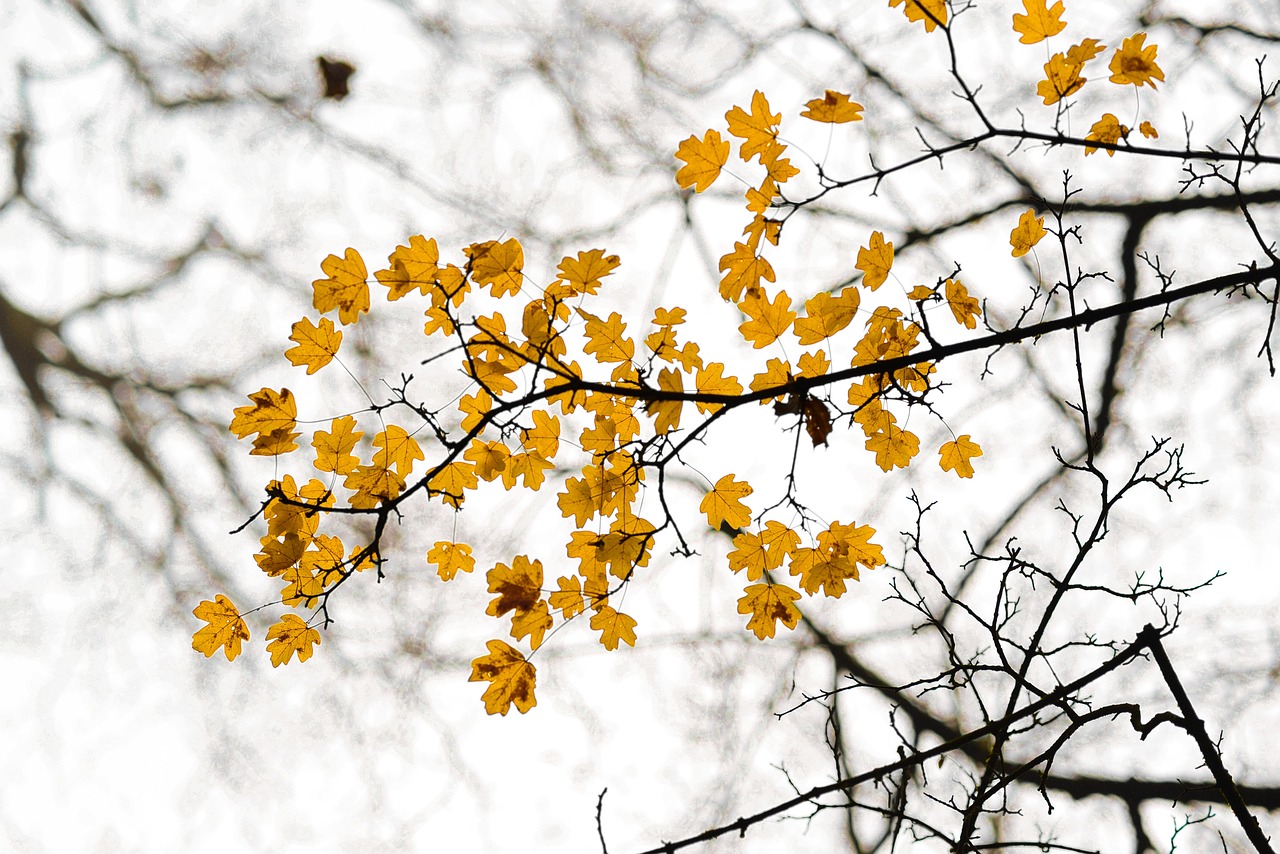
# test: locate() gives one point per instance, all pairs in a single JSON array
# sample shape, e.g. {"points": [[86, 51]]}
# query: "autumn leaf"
{"points": [[1040, 22], [956, 455], [544, 436], [1061, 79], [922, 292], [518, 586], [826, 315], [833, 108], [450, 559], [1106, 129], [875, 261], [893, 447], [317, 345], [605, 338], [584, 273], [452, 481], [776, 373], [767, 604], [723, 504], [412, 267], [512, 679], [474, 407], [758, 129], [399, 450], [270, 412], [498, 265], [568, 599], [743, 270], [275, 443], [373, 485], [613, 627], [964, 307], [346, 288], [930, 12], [225, 629], [763, 550], [333, 449], [711, 381], [288, 636], [768, 320], [666, 413], [489, 458], [703, 160], [1134, 63], [1148, 130], [1027, 233]]}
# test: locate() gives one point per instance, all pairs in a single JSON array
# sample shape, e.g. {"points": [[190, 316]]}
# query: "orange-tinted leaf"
{"points": [[875, 260], [767, 604], [964, 307], [1134, 63], [451, 558], [317, 345], [1027, 233], [333, 449], [768, 320], [568, 599], [288, 636], [758, 129], [929, 12], [743, 270], [584, 273], [498, 265], [703, 160], [225, 629], [833, 108], [345, 289], [956, 455], [271, 412], [511, 678], [613, 627], [518, 586], [711, 381], [723, 504], [893, 447], [1040, 22], [398, 450]]}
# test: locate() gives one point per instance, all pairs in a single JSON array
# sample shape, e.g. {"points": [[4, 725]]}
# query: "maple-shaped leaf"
{"points": [[271, 412], [276, 554], [489, 458], [666, 413], [285, 518], [1106, 129], [288, 636], [1062, 78], [767, 604], [723, 504], [512, 679], [606, 339], [758, 129], [333, 449], [710, 380], [768, 320], [474, 407], [922, 292], [275, 443], [833, 108], [758, 551], [544, 436], [893, 446], [743, 270], [583, 274], [225, 629], [317, 345], [412, 267], [450, 559], [930, 12], [1040, 22], [956, 455], [777, 373], [964, 307], [568, 599], [1134, 63], [346, 289], [373, 485], [613, 627], [438, 320], [498, 265], [703, 160], [532, 624], [1027, 233], [1148, 130], [451, 482], [875, 260], [518, 586], [826, 315], [398, 450]]}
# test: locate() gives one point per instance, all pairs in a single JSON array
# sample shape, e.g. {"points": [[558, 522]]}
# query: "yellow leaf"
{"points": [[275, 443], [288, 636], [498, 265], [225, 629], [667, 412], [964, 307], [1040, 22], [1106, 129], [723, 504], [930, 12], [703, 160], [475, 407], [605, 338], [584, 273], [758, 129], [1061, 79], [893, 447], [956, 455], [613, 627], [743, 270], [490, 458], [452, 481], [768, 320], [767, 604], [1027, 233], [518, 586], [271, 412], [833, 108], [921, 292], [317, 345], [1148, 130], [412, 267], [776, 373], [813, 364], [568, 599], [511, 678], [333, 449], [532, 624], [451, 558], [544, 436], [438, 320], [1134, 63], [399, 450], [373, 485], [875, 261], [277, 554], [345, 289], [826, 315], [710, 381]]}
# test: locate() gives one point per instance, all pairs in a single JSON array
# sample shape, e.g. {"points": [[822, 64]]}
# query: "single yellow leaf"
{"points": [[512, 679], [956, 455], [450, 559], [930, 12], [613, 627], [875, 260], [346, 289], [758, 129], [1027, 233], [1040, 22], [498, 265], [1134, 63], [333, 449], [584, 273], [768, 321], [398, 450], [288, 636], [964, 307], [317, 345], [271, 412], [723, 504], [225, 629], [703, 160], [767, 604], [833, 108]]}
